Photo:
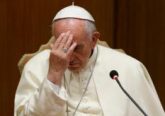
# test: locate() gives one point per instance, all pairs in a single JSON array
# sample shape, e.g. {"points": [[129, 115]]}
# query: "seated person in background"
{"points": [[72, 78]]}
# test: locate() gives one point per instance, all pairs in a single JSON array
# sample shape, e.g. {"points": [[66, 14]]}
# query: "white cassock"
{"points": [[36, 96]]}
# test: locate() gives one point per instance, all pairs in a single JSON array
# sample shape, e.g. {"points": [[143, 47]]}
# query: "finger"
{"points": [[69, 41], [64, 40], [58, 41], [71, 49]]}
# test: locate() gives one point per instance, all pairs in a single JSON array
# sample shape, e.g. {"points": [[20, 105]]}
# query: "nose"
{"points": [[72, 57]]}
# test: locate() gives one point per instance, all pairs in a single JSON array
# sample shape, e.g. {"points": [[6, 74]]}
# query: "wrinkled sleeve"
{"points": [[36, 96]]}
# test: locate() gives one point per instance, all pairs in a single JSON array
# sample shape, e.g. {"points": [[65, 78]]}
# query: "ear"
{"points": [[95, 37]]}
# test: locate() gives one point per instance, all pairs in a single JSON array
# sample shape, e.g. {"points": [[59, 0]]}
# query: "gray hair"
{"points": [[90, 27]]}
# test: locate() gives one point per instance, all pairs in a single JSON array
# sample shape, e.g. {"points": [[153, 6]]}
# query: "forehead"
{"points": [[73, 25], [77, 27]]}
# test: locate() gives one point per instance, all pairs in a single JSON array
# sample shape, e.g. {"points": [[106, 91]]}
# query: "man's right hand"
{"points": [[60, 54]]}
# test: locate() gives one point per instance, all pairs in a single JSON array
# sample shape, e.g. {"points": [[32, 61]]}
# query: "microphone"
{"points": [[114, 75]]}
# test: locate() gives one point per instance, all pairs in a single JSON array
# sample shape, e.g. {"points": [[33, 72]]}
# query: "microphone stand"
{"points": [[142, 111]]}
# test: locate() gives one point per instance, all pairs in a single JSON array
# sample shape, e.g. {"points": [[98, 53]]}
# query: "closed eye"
{"points": [[79, 48]]}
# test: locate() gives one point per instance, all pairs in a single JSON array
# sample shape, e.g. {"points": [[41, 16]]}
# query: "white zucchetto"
{"points": [[73, 11]]}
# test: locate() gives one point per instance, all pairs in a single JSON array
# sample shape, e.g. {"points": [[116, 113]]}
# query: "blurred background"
{"points": [[136, 26]]}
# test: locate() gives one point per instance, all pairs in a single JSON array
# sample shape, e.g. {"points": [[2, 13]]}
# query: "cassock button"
{"points": [[88, 107], [83, 89], [85, 99]]}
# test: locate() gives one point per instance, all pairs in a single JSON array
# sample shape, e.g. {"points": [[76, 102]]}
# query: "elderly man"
{"points": [[72, 79]]}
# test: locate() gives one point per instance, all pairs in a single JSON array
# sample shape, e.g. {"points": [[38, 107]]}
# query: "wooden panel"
{"points": [[140, 31], [25, 25]]}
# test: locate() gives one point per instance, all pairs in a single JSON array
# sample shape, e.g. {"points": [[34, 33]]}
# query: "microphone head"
{"points": [[114, 74]]}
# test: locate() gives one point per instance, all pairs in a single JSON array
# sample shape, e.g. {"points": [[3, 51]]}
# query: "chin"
{"points": [[74, 69]]}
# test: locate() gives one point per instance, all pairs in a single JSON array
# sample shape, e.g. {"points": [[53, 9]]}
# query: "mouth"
{"points": [[73, 65]]}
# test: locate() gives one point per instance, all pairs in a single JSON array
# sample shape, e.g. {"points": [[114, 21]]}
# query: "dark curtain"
{"points": [[140, 31]]}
